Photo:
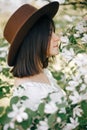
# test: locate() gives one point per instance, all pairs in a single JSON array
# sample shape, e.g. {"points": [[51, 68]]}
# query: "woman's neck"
{"points": [[41, 78]]}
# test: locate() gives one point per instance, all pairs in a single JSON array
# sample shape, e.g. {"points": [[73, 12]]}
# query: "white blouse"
{"points": [[37, 91]]}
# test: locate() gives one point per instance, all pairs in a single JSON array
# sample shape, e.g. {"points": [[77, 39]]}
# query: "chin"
{"points": [[56, 53]]}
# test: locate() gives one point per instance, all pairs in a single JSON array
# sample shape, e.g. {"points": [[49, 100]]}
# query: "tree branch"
{"points": [[75, 3], [72, 3]]}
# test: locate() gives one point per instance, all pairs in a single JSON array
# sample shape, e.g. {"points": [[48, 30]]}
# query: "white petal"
{"points": [[19, 119]]}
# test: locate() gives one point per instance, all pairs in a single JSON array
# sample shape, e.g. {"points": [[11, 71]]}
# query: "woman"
{"points": [[31, 33]]}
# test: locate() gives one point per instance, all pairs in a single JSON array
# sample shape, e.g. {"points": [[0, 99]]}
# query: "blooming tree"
{"points": [[68, 113]]}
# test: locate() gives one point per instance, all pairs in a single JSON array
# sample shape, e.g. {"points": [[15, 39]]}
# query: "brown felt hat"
{"points": [[20, 23]]}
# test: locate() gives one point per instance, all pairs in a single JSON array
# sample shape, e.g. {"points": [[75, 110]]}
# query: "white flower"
{"points": [[77, 35], [43, 125], [85, 78], [3, 49], [3, 54], [18, 113], [59, 119], [9, 125], [76, 80], [82, 70], [81, 26], [73, 83], [56, 97], [80, 59], [50, 107], [68, 18], [83, 86], [84, 39], [62, 110], [75, 98], [84, 96], [64, 39], [0, 68], [70, 88], [74, 123], [77, 111], [68, 54]]}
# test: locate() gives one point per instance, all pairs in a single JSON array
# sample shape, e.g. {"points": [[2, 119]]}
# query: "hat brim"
{"points": [[49, 9]]}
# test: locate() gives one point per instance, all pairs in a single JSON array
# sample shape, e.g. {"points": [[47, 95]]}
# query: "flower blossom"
{"points": [[72, 125], [50, 108], [68, 54], [83, 87], [59, 119], [82, 70], [43, 125], [57, 97], [64, 39], [77, 111], [0, 68], [76, 80], [75, 98], [77, 34], [84, 38], [85, 78], [18, 113], [80, 59], [81, 27], [9, 125]]}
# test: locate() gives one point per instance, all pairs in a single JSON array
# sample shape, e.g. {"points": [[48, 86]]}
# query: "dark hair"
{"points": [[32, 55]]}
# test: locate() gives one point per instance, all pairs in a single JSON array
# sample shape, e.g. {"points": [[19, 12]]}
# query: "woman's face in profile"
{"points": [[53, 46]]}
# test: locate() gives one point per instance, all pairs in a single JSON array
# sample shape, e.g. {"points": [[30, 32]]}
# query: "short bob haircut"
{"points": [[32, 55]]}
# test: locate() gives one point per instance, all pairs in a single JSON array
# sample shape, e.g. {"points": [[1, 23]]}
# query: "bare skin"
{"points": [[41, 78]]}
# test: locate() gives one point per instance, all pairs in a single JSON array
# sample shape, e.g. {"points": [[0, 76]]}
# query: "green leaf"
{"points": [[30, 112], [72, 39], [83, 121], [84, 107], [24, 97], [41, 109], [62, 105], [6, 71], [26, 124], [4, 119], [51, 120], [1, 110], [62, 116], [14, 100]]}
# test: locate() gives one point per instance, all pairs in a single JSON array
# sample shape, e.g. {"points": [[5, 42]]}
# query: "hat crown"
{"points": [[17, 20]]}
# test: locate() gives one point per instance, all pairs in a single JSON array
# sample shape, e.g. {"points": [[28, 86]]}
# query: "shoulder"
{"points": [[31, 89], [35, 93]]}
